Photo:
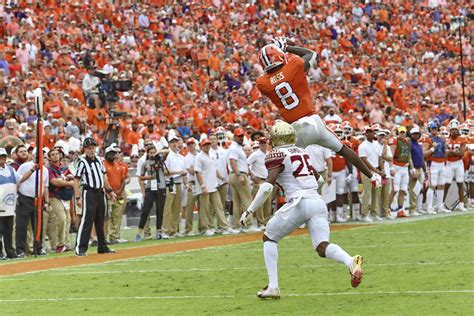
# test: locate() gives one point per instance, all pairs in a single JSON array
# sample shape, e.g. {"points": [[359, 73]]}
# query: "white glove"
{"points": [[376, 180], [280, 42], [321, 181], [349, 179], [243, 218]]}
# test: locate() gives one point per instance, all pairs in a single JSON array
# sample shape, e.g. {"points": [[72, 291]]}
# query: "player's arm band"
{"points": [[313, 59], [263, 193]]}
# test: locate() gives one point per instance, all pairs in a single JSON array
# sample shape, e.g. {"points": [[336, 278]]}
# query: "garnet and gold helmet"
{"points": [[282, 134]]}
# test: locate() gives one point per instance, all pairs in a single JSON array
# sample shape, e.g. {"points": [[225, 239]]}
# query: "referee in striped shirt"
{"points": [[90, 174]]}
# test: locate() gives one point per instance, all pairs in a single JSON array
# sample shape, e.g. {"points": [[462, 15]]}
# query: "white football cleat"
{"points": [[442, 209], [461, 208], [209, 233], [268, 292], [356, 271], [366, 219], [230, 231]]}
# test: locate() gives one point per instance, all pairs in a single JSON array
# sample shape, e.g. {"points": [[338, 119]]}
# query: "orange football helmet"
{"points": [[271, 56]]}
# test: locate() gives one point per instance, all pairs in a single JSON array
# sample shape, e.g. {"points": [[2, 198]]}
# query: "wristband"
{"points": [[108, 190], [78, 198]]}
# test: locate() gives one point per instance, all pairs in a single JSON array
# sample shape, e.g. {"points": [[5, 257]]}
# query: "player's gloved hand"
{"points": [[280, 42], [321, 181], [243, 218], [349, 178], [376, 180]]}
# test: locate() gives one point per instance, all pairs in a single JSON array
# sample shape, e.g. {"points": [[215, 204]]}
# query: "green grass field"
{"points": [[413, 268]]}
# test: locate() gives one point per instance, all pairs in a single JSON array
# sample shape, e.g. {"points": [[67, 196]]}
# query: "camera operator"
{"points": [[113, 131], [90, 87], [153, 176]]}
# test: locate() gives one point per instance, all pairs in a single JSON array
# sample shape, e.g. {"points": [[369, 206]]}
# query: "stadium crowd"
{"points": [[387, 81]]}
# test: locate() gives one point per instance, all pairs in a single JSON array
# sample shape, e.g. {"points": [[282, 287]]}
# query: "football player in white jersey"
{"points": [[290, 167]]}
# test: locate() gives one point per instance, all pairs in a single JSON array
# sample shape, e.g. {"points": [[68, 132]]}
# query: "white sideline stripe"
{"points": [[171, 297], [84, 271]]}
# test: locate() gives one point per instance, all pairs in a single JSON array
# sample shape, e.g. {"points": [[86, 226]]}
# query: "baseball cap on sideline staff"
{"points": [[205, 141]]}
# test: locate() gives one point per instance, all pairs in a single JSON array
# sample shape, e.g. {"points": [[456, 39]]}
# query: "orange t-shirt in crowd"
{"points": [[48, 141], [54, 107], [455, 145], [288, 89]]}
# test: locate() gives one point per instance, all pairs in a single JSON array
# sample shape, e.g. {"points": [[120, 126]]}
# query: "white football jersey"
{"points": [[297, 177]]}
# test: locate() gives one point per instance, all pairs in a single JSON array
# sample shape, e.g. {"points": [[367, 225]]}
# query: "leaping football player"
{"points": [[285, 83]]}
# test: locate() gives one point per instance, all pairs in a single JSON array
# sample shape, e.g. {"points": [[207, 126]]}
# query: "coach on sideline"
{"points": [[91, 173]]}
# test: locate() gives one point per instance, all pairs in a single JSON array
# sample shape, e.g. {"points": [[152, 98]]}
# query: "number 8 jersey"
{"points": [[297, 178], [288, 89]]}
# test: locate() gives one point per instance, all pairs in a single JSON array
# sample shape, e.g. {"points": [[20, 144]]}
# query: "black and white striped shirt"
{"points": [[91, 172]]}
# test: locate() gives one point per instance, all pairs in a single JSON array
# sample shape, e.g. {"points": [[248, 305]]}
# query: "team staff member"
{"points": [[60, 192], [91, 173], [239, 171], [192, 197], [8, 196], [259, 173], [206, 187], [417, 174], [118, 176], [175, 169], [369, 152], [219, 156], [26, 207]]}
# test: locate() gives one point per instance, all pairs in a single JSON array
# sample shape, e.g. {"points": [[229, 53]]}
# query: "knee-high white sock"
{"points": [[439, 198], [355, 211], [419, 202], [270, 253], [429, 199], [339, 212], [335, 252]]}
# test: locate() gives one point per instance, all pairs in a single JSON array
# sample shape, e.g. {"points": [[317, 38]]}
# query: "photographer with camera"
{"points": [[90, 87], [153, 176]]}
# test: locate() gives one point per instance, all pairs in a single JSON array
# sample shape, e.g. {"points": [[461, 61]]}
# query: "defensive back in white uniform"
{"points": [[290, 167]]}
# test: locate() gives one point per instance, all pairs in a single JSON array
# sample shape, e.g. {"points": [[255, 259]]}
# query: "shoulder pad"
{"points": [[274, 159]]}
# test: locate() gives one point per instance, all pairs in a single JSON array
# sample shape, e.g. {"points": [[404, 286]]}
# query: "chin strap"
{"points": [[263, 193]]}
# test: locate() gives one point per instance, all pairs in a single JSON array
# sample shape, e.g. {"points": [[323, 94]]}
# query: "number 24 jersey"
{"points": [[289, 90], [297, 174]]}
